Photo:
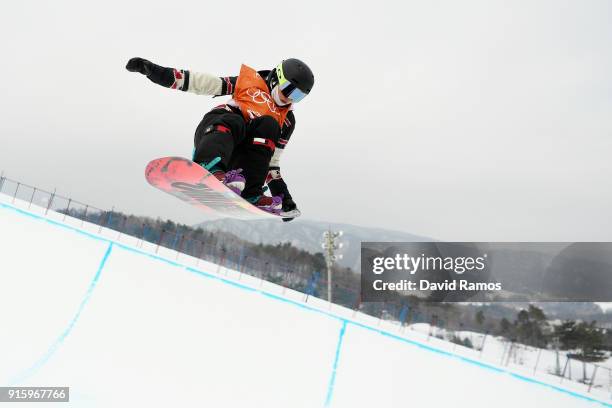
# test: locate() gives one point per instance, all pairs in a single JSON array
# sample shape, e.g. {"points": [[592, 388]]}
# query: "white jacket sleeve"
{"points": [[202, 83]]}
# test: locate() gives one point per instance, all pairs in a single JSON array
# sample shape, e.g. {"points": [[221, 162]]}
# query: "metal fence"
{"points": [[400, 315]]}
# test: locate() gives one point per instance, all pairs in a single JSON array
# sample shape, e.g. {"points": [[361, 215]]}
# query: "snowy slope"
{"points": [[123, 325]]}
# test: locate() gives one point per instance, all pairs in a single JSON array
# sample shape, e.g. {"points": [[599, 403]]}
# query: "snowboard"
{"points": [[193, 184]]}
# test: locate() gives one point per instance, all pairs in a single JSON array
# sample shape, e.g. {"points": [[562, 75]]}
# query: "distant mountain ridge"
{"points": [[308, 235]]}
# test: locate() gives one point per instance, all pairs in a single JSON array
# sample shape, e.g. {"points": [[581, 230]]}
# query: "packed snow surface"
{"points": [[124, 323]]}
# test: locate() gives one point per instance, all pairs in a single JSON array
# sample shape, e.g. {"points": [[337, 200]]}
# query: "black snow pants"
{"points": [[248, 146]]}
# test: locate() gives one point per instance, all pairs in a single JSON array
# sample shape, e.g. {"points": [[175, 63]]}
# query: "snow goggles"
{"points": [[288, 89]]}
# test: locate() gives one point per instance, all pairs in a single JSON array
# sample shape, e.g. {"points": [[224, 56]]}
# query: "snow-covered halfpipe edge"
{"points": [[347, 359]]}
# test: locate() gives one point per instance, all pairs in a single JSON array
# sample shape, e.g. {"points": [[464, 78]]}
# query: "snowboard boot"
{"points": [[232, 179], [272, 205]]}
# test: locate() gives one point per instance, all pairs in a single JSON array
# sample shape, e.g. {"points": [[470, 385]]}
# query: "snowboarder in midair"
{"points": [[241, 141]]}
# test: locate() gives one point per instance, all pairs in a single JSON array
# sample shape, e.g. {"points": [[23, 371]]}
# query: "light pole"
{"points": [[331, 245]]}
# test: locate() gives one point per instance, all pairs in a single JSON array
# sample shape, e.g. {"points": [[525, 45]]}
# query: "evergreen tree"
{"points": [[530, 327], [586, 338], [505, 326], [480, 317]]}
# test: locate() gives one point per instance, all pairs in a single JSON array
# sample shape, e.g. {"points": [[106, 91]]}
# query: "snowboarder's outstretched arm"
{"points": [[197, 82]]}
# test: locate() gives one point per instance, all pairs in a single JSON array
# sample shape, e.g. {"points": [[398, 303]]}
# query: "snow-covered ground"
{"points": [[126, 324], [544, 363]]}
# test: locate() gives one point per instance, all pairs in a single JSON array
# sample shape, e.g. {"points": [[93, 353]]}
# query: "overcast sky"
{"points": [[471, 120]]}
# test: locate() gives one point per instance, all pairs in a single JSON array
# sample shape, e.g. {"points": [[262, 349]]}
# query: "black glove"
{"points": [[141, 65]]}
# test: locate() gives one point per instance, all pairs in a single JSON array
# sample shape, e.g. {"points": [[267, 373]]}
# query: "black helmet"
{"points": [[294, 78]]}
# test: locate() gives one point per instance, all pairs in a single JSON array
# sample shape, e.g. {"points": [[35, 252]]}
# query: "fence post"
{"points": [[84, 215], [199, 257], [178, 251], [557, 362], [434, 321], [593, 377], [221, 261], [99, 220], [286, 280], [1, 180], [16, 190], [32, 198], [380, 315], [610, 381], [67, 209], [144, 234], [50, 203], [110, 217], [457, 338], [509, 355], [537, 361], [240, 259], [403, 316], [511, 349], [122, 227], [357, 304], [504, 353], [564, 368], [160, 240], [484, 339], [243, 267], [264, 273], [176, 235]]}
